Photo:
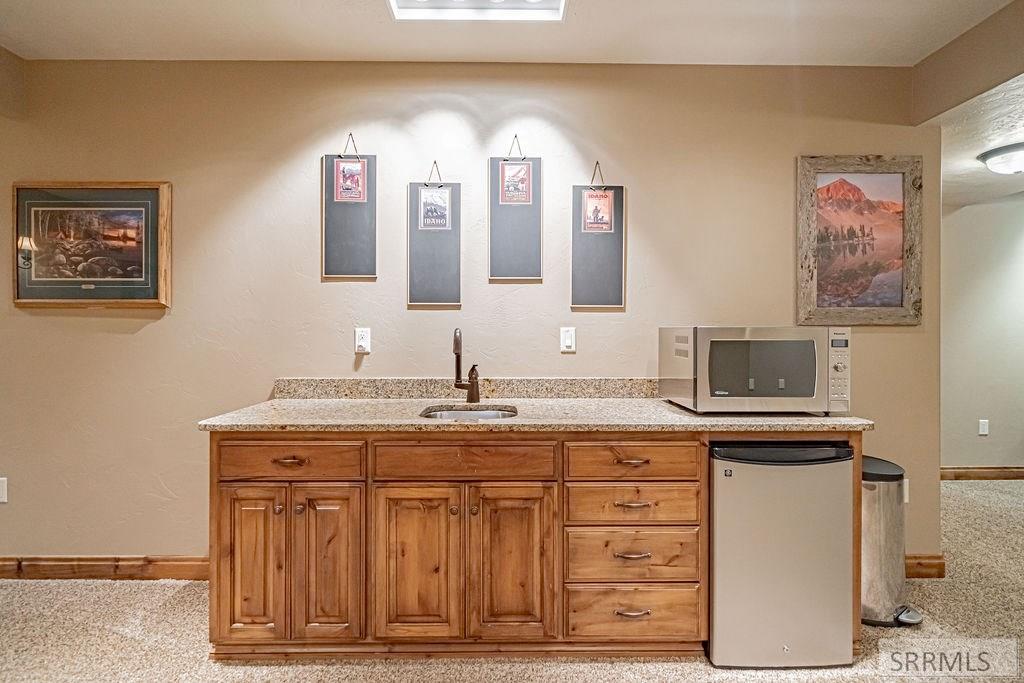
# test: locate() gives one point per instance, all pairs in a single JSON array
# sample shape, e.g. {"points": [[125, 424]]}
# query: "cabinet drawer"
{"points": [[637, 612], [291, 460], [632, 461], [464, 461], [633, 554], [654, 503]]}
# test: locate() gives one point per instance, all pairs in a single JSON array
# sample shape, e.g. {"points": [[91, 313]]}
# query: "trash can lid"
{"points": [[876, 469]]}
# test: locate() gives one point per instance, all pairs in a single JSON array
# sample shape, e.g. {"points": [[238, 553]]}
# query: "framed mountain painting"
{"points": [[92, 244], [859, 240]]}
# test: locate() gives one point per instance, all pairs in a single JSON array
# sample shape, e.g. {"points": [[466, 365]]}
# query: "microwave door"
{"points": [[765, 373]]}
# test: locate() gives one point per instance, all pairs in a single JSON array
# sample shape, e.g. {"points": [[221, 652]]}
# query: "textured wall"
{"points": [[983, 333], [973, 63], [12, 84], [99, 407]]}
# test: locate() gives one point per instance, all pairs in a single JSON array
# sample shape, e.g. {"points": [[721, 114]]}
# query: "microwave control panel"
{"points": [[839, 369]]}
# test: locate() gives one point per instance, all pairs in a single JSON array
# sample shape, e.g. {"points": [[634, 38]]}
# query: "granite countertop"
{"points": [[535, 415]]}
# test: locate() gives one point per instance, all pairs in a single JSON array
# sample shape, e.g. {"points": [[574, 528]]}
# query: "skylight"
{"points": [[477, 10]]}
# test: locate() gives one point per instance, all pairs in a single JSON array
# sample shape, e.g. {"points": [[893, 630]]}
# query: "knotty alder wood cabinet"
{"points": [[399, 544]]}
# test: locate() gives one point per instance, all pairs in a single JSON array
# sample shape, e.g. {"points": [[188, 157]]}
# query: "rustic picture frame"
{"points": [[97, 289], [809, 312]]}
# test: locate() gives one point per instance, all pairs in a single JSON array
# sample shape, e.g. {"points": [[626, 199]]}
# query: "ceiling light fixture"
{"points": [[477, 10], [1007, 160]]}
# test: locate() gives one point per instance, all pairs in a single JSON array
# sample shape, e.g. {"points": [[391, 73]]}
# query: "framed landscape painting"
{"points": [[92, 244], [859, 240]]}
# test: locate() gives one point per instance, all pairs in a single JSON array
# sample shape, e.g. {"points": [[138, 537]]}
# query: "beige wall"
{"points": [[12, 84], [983, 333], [973, 63], [99, 407]]}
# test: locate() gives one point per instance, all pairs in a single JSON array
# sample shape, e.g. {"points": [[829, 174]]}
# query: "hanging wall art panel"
{"points": [[349, 216], [434, 244], [516, 218], [598, 246]]}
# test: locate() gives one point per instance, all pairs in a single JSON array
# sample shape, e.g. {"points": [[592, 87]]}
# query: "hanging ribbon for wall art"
{"points": [[597, 171], [350, 141], [515, 145], [433, 168]]}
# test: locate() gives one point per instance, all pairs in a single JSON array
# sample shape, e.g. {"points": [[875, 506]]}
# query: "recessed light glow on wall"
{"points": [[477, 10], [1006, 160]]}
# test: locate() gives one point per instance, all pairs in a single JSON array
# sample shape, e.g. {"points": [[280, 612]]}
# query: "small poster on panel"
{"points": [[435, 208], [599, 210], [349, 180], [516, 182]]}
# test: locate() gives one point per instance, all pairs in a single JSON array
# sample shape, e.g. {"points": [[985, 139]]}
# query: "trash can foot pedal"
{"points": [[908, 616]]}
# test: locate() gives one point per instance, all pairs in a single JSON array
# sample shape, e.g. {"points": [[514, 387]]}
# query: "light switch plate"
{"points": [[982, 427], [3, 489], [362, 340], [567, 340]]}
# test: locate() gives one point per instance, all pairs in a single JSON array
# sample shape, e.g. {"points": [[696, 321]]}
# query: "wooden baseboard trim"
{"points": [[376, 650], [106, 567], [981, 473], [926, 567]]}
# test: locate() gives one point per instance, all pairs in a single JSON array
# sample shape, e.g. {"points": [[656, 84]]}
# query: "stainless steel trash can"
{"points": [[883, 573]]}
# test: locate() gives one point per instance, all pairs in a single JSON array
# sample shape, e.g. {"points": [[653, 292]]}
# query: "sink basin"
{"points": [[469, 412]]}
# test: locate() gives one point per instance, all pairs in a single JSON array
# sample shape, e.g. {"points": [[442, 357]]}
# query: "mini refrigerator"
{"points": [[781, 554]]}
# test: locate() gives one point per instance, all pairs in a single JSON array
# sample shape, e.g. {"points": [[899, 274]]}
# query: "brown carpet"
{"points": [[156, 630]]}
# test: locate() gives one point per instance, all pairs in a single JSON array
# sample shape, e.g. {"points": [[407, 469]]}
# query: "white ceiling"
{"points": [[993, 119], [827, 32]]}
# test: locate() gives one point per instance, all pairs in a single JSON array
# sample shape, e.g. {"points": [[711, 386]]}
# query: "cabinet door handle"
{"points": [[633, 463], [632, 556], [633, 614], [299, 509], [633, 504], [278, 509], [454, 509], [475, 510], [290, 462]]}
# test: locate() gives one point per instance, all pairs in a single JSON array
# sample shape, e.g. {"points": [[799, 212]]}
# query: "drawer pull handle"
{"points": [[632, 556], [633, 615], [633, 504], [633, 463], [290, 462]]}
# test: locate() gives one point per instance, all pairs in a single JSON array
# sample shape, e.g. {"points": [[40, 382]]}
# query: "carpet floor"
{"points": [[157, 630]]}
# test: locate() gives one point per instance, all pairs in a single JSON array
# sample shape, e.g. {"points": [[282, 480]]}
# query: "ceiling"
{"points": [[993, 119], [825, 32]]}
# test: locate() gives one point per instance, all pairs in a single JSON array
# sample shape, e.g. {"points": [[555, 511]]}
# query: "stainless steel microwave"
{"points": [[755, 369]]}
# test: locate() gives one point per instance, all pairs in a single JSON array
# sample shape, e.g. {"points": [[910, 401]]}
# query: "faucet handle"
{"points": [[473, 374]]}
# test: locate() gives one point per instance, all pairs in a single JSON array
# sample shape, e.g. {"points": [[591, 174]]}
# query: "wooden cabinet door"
{"points": [[418, 572], [250, 599], [327, 560], [512, 562]]}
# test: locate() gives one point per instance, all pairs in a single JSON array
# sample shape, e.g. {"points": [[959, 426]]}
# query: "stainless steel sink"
{"points": [[469, 412]]}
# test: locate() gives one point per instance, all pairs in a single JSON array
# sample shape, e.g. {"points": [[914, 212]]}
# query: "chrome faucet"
{"points": [[473, 385]]}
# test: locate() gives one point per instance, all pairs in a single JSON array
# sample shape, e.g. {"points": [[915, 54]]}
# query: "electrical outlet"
{"points": [[362, 340], [3, 489], [567, 340], [982, 427]]}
